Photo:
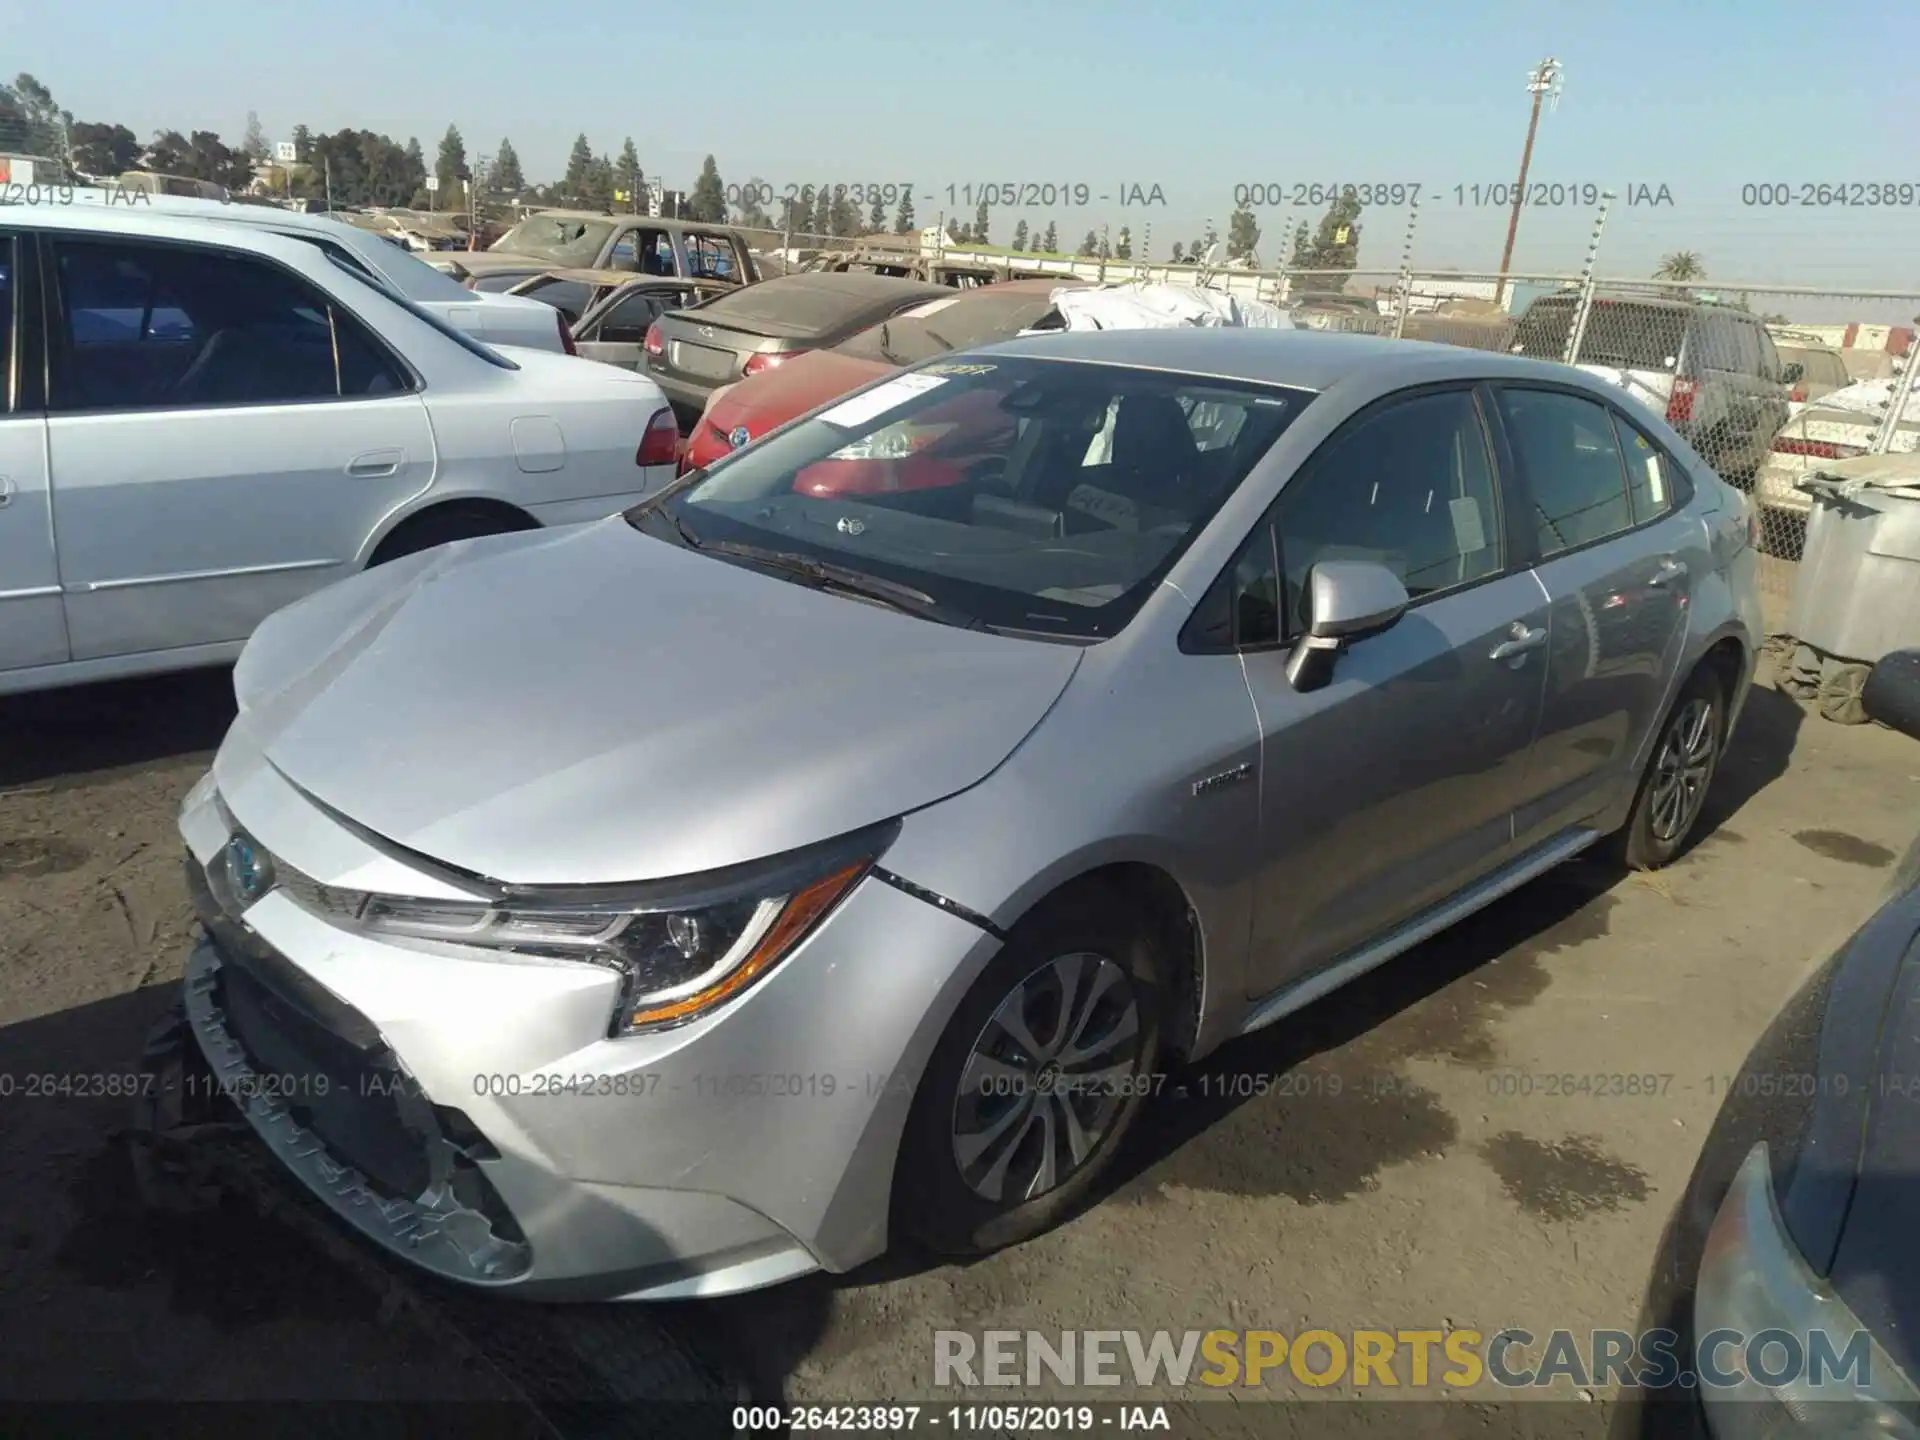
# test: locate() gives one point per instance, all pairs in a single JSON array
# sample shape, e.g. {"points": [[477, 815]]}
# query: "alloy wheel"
{"points": [[1048, 1074], [1681, 770]]}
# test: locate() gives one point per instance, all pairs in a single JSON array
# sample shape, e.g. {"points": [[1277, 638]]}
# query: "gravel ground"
{"points": [[1441, 1185]]}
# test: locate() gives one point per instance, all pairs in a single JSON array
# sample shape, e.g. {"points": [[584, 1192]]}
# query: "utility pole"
{"points": [[1543, 82]]}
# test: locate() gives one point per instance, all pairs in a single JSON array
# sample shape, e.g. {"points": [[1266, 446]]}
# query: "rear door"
{"points": [[223, 435], [1617, 555], [32, 628], [614, 332]]}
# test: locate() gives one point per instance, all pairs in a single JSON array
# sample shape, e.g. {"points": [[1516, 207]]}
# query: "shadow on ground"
{"points": [[56, 735]]}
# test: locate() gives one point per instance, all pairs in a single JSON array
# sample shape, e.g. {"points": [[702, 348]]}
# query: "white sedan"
{"points": [[202, 422], [496, 319]]}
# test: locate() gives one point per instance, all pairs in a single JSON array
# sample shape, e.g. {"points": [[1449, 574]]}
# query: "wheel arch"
{"points": [[511, 517]]}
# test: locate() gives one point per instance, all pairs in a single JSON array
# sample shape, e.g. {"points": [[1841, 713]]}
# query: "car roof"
{"points": [[165, 224], [658, 222], [1303, 359]]}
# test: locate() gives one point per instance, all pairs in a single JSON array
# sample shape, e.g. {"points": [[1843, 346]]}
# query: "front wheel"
{"points": [[1038, 1077], [1673, 791]]}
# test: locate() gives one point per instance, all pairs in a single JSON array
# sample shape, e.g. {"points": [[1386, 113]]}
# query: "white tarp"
{"points": [[1148, 305]]}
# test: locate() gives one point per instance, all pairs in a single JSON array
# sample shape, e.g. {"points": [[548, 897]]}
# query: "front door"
{"points": [[223, 438], [1395, 784], [1618, 555], [614, 331], [32, 631]]}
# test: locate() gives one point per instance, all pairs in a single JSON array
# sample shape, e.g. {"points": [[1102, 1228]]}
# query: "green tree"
{"points": [[709, 199], [573, 184], [628, 177], [980, 225], [450, 164], [845, 215], [1123, 249], [1335, 245], [199, 156], [877, 216], [102, 150], [903, 222], [823, 211], [1681, 266], [752, 214], [302, 143], [1020, 236], [1179, 253], [1243, 235], [31, 122], [799, 216], [1050, 242], [1089, 247], [507, 178], [256, 146], [600, 183]]}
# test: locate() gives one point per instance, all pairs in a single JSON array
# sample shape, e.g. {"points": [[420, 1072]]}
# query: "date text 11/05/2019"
{"points": [[994, 194], [1581, 194]]}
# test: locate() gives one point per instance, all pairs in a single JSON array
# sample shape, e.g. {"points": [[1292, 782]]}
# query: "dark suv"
{"points": [[1711, 368]]}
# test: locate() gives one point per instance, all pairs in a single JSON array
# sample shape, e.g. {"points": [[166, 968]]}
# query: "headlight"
{"points": [[1753, 1281], [681, 947]]}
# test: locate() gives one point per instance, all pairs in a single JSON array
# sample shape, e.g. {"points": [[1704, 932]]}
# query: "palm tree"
{"points": [[1681, 266]]}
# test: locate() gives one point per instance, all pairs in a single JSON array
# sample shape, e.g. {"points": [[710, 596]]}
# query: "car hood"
{"points": [[592, 705], [773, 397]]}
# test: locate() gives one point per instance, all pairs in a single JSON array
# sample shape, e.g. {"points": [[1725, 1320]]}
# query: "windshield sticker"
{"points": [[872, 404], [958, 370]]}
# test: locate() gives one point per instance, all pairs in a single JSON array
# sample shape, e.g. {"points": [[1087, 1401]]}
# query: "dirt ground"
{"points": [[1441, 1186]]}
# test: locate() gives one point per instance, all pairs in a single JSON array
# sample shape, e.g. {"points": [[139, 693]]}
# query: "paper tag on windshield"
{"points": [[871, 404]]}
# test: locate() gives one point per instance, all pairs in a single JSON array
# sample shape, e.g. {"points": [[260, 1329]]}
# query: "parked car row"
{"points": [[211, 411]]}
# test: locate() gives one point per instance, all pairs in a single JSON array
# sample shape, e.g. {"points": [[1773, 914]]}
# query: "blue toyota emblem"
{"points": [[248, 870], [738, 436]]}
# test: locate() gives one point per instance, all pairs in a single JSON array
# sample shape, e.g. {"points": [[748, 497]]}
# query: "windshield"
{"points": [[404, 270], [567, 239], [1036, 496]]}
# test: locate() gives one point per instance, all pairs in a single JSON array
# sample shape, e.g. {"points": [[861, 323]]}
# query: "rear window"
{"points": [[1619, 332], [798, 306], [569, 297]]}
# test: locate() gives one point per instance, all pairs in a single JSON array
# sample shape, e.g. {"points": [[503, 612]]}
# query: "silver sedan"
{"points": [[839, 844]]}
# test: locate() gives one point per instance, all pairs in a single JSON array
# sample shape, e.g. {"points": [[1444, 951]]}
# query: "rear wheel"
{"points": [[1038, 1077], [1673, 791]]}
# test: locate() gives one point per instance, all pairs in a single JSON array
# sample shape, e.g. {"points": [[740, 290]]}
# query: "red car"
{"points": [[770, 399]]}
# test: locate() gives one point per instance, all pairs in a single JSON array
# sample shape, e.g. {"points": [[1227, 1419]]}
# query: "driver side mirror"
{"points": [[1793, 374], [1348, 600]]}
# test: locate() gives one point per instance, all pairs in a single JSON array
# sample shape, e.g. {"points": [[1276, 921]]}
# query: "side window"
{"points": [[569, 297], [1242, 608], [1653, 483], [6, 323], [711, 257], [1408, 485], [1768, 358], [1719, 345], [627, 322], [1566, 448], [146, 327], [625, 254]]}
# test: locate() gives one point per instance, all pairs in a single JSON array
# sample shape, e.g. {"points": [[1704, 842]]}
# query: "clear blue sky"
{"points": [[1699, 96]]}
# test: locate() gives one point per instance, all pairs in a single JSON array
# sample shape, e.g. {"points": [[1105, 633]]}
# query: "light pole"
{"points": [[1543, 82]]}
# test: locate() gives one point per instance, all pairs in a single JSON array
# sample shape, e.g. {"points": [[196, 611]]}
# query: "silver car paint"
{"points": [[412, 701]]}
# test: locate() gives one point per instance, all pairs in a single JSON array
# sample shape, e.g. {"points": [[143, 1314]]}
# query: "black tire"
{"points": [[441, 527], [934, 1202], [1648, 842], [1892, 692]]}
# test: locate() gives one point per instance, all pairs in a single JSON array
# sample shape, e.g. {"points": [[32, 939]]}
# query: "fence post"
{"points": [[1406, 272], [1578, 331], [1900, 391]]}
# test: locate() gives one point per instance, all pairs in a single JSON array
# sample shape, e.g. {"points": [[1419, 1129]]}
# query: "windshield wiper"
{"points": [[827, 576]]}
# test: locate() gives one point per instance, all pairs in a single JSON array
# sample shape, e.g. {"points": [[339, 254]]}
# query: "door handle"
{"points": [[376, 463], [1520, 640], [1670, 570]]}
